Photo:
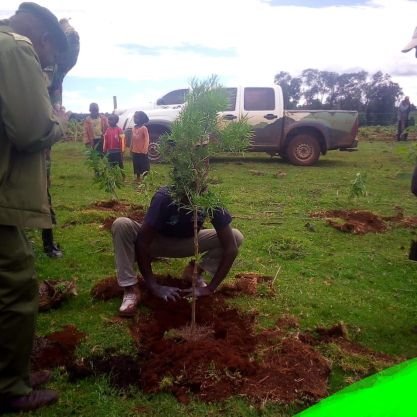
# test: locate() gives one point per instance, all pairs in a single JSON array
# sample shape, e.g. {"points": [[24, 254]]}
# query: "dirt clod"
{"points": [[52, 293], [56, 349], [106, 289], [361, 222]]}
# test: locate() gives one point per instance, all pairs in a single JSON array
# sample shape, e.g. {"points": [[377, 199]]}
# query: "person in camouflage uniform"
{"points": [[29, 41]]}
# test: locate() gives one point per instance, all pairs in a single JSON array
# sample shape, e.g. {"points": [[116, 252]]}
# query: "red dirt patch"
{"points": [[356, 222], [106, 289], [56, 349], [279, 364], [230, 359], [233, 359], [361, 222], [135, 214], [123, 209]]}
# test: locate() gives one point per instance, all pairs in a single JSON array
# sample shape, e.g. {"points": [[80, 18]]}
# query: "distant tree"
{"points": [[374, 97], [291, 89], [381, 95], [351, 91]]}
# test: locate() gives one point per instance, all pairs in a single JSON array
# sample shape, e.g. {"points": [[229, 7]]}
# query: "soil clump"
{"points": [[360, 221]]}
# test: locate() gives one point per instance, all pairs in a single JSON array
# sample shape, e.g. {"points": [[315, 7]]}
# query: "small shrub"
{"points": [[358, 186], [108, 177]]}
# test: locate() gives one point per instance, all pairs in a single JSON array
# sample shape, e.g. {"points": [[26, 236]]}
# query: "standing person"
{"points": [[64, 63], [94, 127], [29, 41], [114, 143], [168, 231], [413, 45], [402, 119], [140, 145]]}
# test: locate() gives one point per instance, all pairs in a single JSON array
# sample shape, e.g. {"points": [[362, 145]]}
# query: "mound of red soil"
{"points": [[56, 349], [106, 289], [279, 364], [233, 359], [356, 222], [123, 209], [361, 222], [135, 214]]}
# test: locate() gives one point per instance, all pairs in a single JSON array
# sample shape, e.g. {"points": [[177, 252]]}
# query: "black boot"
{"points": [[49, 247]]}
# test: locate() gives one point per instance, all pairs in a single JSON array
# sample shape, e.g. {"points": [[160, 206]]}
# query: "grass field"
{"points": [[326, 276]]}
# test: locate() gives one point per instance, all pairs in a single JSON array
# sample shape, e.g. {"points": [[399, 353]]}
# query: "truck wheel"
{"points": [[303, 149], [154, 153]]}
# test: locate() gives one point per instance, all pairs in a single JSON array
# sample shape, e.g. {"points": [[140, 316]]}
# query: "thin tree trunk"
{"points": [[195, 269]]}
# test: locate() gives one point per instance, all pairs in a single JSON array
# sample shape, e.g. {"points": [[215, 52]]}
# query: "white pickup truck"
{"points": [[299, 136]]}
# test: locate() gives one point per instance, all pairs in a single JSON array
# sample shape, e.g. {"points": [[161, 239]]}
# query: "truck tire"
{"points": [[303, 149], [154, 152]]}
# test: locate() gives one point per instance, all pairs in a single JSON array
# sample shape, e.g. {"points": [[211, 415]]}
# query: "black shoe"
{"points": [[39, 378], [32, 401], [53, 251]]}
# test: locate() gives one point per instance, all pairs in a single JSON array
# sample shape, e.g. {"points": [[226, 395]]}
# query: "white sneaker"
{"points": [[130, 301]]}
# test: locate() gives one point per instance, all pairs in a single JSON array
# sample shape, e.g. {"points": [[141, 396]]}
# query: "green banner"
{"points": [[390, 393]]}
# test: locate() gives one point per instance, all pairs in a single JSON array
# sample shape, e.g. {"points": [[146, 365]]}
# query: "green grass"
{"points": [[326, 276]]}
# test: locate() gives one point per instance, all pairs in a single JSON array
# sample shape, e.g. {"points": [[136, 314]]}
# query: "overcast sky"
{"points": [[139, 50]]}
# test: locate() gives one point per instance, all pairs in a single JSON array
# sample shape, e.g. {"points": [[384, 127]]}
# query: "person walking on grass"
{"points": [[140, 145], [402, 118], [30, 40], [114, 142]]}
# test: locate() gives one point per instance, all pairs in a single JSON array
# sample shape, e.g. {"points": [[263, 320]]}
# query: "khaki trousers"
{"points": [[18, 310], [125, 232]]}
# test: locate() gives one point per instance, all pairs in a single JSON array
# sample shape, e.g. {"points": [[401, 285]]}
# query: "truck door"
{"points": [[232, 111], [264, 109]]}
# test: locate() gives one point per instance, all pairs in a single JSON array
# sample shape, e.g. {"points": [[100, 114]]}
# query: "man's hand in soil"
{"points": [[166, 293], [199, 292]]}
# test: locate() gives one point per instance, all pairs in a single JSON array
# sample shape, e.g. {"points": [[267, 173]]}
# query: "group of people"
{"points": [[30, 41], [103, 134]]}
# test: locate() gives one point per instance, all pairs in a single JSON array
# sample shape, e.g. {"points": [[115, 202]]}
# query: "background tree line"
{"points": [[375, 96]]}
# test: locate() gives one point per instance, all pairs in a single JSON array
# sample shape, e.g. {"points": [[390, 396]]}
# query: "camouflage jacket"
{"points": [[27, 127]]}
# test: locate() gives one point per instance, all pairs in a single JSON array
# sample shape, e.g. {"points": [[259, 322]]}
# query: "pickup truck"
{"points": [[298, 136]]}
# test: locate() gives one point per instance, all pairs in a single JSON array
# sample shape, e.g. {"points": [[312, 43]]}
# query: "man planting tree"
{"points": [[173, 225]]}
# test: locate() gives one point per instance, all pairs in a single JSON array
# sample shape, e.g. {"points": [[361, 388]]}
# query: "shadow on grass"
{"points": [[241, 160]]}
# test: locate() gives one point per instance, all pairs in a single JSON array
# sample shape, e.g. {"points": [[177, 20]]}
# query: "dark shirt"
{"points": [[170, 220]]}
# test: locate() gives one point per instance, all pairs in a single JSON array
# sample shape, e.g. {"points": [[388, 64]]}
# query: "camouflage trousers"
{"points": [[18, 310]]}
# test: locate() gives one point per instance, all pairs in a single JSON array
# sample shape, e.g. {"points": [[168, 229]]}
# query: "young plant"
{"points": [[358, 186], [195, 136], [108, 177]]}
